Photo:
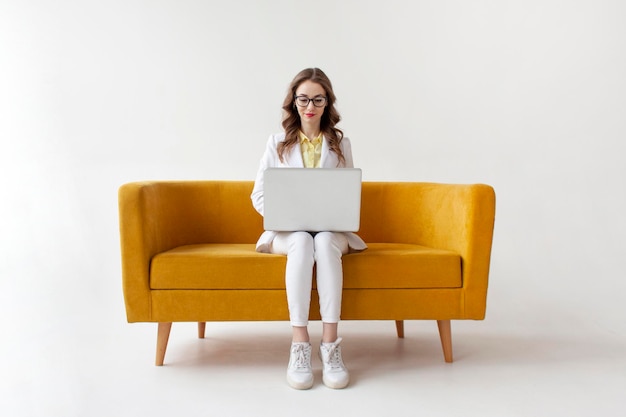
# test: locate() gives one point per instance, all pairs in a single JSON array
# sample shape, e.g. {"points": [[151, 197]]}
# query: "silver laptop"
{"points": [[312, 199]]}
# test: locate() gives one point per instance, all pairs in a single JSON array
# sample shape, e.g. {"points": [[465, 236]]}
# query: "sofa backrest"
{"points": [[221, 211], [390, 211]]}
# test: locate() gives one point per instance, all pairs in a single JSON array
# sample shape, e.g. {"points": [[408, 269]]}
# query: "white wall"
{"points": [[528, 96]]}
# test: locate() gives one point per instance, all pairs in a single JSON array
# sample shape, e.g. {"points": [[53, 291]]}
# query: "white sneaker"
{"points": [[299, 371], [334, 372]]}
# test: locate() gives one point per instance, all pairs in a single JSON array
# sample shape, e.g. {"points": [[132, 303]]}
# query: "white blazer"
{"points": [[293, 159]]}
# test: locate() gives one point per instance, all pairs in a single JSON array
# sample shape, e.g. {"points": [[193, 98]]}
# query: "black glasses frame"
{"points": [[296, 98]]}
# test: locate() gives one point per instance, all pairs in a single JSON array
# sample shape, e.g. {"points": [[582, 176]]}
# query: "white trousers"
{"points": [[303, 251]]}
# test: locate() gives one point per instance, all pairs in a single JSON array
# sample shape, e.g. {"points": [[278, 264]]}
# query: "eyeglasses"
{"points": [[303, 101]]}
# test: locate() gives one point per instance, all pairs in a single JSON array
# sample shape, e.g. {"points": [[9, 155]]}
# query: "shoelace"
{"points": [[334, 356], [301, 355]]}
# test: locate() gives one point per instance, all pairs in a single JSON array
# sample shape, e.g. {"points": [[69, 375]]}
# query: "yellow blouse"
{"points": [[311, 150]]}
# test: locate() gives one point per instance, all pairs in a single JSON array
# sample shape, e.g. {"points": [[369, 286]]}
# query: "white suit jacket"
{"points": [[293, 159]]}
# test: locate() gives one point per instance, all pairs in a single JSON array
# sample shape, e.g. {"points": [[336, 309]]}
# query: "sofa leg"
{"points": [[445, 334], [163, 335], [400, 328], [201, 329]]}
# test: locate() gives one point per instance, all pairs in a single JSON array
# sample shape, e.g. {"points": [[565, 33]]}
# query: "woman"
{"points": [[310, 140]]}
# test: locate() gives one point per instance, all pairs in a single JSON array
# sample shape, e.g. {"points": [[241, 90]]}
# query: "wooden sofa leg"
{"points": [[400, 328], [163, 335], [445, 334], [201, 329]]}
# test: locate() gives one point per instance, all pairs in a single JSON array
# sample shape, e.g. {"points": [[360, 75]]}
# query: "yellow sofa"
{"points": [[188, 256]]}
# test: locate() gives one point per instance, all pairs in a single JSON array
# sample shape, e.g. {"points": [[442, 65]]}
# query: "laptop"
{"points": [[312, 199]]}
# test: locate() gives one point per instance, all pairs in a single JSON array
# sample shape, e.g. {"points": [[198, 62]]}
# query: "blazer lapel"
{"points": [[328, 159], [294, 158]]}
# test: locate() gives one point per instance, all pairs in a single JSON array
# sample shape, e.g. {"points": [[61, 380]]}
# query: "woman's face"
{"points": [[310, 115]]}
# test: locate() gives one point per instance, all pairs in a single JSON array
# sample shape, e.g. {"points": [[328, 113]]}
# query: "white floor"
{"points": [[85, 360]]}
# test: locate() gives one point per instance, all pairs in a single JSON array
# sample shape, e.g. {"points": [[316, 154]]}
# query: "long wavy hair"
{"points": [[330, 117]]}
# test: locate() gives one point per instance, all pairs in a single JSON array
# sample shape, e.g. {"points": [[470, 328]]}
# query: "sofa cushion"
{"points": [[239, 266], [401, 265], [217, 266]]}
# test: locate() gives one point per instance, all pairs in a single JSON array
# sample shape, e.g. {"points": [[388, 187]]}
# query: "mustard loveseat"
{"points": [[188, 255]]}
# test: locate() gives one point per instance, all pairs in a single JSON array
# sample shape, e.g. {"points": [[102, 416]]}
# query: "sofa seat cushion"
{"points": [[401, 265], [217, 266], [239, 266]]}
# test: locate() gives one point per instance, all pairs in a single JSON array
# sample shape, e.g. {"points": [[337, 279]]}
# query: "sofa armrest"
{"points": [[139, 243], [461, 218], [160, 215]]}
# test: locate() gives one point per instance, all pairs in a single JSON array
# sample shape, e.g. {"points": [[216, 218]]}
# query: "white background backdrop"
{"points": [[528, 96]]}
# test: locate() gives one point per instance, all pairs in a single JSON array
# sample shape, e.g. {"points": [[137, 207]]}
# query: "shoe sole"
{"points": [[336, 386], [299, 385]]}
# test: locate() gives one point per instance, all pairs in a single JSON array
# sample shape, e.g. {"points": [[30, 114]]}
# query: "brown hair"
{"points": [[330, 117]]}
